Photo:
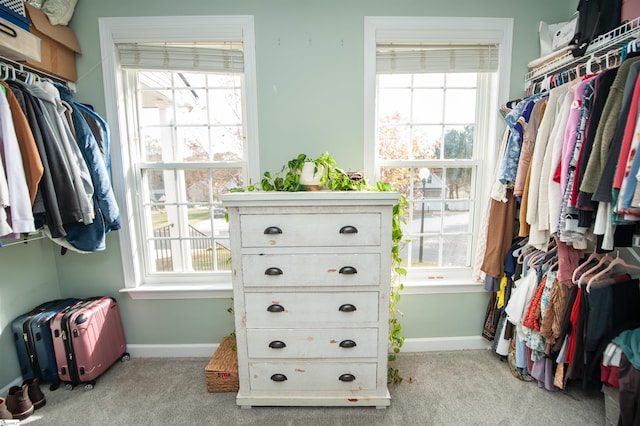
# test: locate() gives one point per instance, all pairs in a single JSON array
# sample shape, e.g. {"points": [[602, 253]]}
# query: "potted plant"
{"points": [[304, 173]]}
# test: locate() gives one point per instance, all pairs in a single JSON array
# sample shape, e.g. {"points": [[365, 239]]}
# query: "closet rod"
{"points": [[22, 68], [611, 58], [22, 240], [612, 40]]}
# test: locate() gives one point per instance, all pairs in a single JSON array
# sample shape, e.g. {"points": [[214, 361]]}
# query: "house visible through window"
{"points": [[434, 134], [185, 138], [190, 150]]}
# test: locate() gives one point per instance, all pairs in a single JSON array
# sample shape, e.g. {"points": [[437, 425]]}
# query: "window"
{"points": [[182, 93], [432, 86]]}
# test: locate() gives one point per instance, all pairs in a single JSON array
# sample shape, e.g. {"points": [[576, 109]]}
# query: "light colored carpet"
{"points": [[439, 388]]}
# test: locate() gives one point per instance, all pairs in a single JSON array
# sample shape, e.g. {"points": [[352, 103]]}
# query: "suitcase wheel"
{"points": [[53, 386], [88, 386], [126, 357], [68, 386]]}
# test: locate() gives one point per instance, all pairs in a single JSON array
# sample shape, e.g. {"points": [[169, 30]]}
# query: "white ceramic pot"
{"points": [[309, 177]]}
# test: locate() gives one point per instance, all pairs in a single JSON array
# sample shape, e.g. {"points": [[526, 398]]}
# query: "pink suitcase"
{"points": [[88, 338]]}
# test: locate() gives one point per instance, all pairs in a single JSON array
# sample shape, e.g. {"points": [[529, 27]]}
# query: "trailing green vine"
{"points": [[335, 178], [396, 338]]}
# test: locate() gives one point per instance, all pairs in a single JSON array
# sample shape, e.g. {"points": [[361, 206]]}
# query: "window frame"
{"points": [[124, 174], [381, 29]]}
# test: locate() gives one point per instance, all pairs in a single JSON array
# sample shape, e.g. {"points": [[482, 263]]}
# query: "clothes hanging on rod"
{"points": [[68, 186], [562, 157], [571, 176]]}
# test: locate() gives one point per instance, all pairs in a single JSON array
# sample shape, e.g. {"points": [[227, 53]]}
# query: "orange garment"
{"points": [[533, 317], [31, 162]]}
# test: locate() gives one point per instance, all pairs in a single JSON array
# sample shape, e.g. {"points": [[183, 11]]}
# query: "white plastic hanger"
{"points": [[605, 272], [584, 265], [603, 261]]}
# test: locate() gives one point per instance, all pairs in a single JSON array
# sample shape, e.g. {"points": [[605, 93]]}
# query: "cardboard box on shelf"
{"points": [[58, 43]]}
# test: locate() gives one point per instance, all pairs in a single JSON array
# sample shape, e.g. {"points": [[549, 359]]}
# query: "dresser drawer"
{"points": [[318, 230], [260, 270], [268, 310], [313, 343], [301, 376]]}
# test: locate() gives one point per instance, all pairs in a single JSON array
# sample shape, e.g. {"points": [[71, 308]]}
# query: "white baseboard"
{"points": [[200, 350], [430, 344]]}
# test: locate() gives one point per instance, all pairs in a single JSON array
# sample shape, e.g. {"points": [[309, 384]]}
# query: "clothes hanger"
{"points": [[528, 249], [604, 260], [542, 257], [522, 244], [593, 257], [533, 260], [618, 261]]}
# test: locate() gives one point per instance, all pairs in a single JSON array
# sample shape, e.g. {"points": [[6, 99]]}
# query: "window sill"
{"points": [[208, 291], [193, 291], [417, 286]]}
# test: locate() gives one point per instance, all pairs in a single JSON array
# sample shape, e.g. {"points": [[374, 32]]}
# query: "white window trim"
{"points": [[436, 30], [167, 29]]}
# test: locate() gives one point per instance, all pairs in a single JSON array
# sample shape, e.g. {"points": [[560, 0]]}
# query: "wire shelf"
{"points": [[598, 49]]}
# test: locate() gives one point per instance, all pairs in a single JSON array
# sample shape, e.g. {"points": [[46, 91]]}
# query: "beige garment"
{"points": [[524, 203], [546, 124], [528, 143], [477, 274]]}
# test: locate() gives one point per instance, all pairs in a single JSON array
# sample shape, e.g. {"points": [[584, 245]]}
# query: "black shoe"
{"points": [[35, 393]]}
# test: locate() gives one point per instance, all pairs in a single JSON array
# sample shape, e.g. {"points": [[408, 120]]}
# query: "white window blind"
{"points": [[399, 58], [213, 57]]}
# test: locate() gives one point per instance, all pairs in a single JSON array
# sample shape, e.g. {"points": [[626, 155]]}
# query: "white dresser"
{"points": [[311, 277]]}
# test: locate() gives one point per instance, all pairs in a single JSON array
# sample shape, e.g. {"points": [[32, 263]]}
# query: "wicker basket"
{"points": [[222, 371]]}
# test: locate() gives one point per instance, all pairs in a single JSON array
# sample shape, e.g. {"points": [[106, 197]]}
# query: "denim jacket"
{"points": [[91, 237]]}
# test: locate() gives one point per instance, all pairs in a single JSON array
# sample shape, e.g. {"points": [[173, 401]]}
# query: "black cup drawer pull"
{"points": [[278, 377], [277, 344], [347, 307], [348, 229], [348, 270], [275, 308], [346, 377], [272, 230], [347, 344], [273, 271]]}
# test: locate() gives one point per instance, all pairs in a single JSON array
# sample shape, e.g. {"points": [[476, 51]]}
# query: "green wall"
{"points": [[29, 277], [310, 99]]}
